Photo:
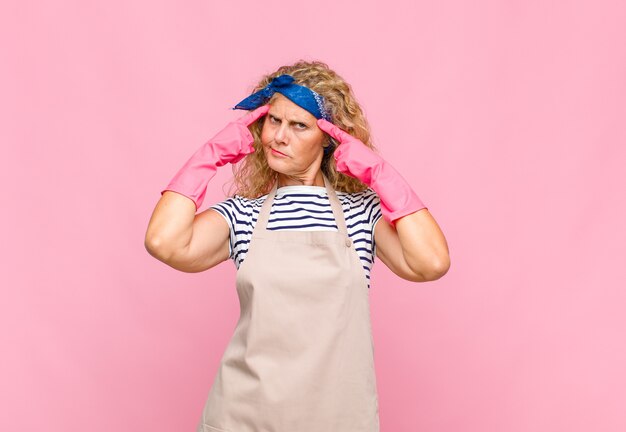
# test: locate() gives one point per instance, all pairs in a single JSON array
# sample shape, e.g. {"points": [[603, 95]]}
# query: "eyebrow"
{"points": [[304, 122]]}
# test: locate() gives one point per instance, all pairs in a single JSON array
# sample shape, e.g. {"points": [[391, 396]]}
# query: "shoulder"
{"points": [[365, 195], [240, 214], [237, 209], [365, 204], [239, 202]]}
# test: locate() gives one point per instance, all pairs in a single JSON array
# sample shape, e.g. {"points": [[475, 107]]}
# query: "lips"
{"points": [[276, 151]]}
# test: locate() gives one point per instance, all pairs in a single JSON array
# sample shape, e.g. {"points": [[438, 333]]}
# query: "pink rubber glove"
{"points": [[355, 159], [230, 145]]}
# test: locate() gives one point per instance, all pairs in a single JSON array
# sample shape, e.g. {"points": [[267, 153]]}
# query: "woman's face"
{"points": [[292, 142]]}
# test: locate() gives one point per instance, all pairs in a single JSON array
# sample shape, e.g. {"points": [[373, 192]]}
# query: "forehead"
{"points": [[281, 106]]}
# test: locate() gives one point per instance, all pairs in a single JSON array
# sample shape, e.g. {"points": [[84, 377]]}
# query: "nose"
{"points": [[280, 134]]}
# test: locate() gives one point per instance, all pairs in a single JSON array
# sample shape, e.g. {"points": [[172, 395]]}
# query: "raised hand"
{"points": [[229, 145], [355, 159], [352, 157], [235, 141]]}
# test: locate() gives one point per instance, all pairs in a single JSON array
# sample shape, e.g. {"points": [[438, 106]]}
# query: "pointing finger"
{"points": [[332, 130], [252, 116]]}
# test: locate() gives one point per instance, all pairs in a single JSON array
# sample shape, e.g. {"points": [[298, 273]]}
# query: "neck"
{"points": [[285, 180]]}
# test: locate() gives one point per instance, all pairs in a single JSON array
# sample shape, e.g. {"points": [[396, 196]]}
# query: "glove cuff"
{"points": [[192, 179], [397, 198]]}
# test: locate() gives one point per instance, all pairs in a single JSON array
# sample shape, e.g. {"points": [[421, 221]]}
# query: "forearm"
{"points": [[171, 226], [424, 246]]}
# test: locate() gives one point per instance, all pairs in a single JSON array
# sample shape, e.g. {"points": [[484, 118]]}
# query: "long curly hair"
{"points": [[253, 177]]}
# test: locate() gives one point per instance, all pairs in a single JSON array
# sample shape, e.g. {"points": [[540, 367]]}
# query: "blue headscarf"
{"points": [[302, 96]]}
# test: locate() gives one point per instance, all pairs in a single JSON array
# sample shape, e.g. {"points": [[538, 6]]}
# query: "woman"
{"points": [[310, 195]]}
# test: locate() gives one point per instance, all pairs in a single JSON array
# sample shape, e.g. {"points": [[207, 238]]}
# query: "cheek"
{"points": [[265, 135], [315, 143]]}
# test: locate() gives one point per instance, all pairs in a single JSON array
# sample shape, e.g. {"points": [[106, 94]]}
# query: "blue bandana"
{"points": [[302, 96]]}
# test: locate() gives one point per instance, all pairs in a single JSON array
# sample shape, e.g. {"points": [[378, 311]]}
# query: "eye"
{"points": [[301, 125], [273, 119]]}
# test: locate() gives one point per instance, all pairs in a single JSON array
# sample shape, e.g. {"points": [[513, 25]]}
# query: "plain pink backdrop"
{"points": [[507, 117]]}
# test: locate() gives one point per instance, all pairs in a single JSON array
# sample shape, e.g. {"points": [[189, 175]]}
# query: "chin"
{"points": [[275, 165]]}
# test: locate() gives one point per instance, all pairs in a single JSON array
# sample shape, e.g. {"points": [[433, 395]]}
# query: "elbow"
{"points": [[155, 247], [436, 270], [440, 268], [151, 241]]}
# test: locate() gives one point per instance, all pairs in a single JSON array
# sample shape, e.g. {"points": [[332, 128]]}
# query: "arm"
{"points": [[409, 240], [415, 249], [175, 234], [183, 240]]}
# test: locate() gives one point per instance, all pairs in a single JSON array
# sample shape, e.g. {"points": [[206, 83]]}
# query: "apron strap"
{"points": [[264, 213], [340, 220]]}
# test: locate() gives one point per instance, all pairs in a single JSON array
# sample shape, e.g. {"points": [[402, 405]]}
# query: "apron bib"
{"points": [[301, 358]]}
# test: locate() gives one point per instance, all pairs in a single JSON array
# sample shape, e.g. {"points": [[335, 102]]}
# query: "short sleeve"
{"points": [[227, 209], [239, 213], [373, 214]]}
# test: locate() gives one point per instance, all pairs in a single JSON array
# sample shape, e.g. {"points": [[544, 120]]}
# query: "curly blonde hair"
{"points": [[253, 177]]}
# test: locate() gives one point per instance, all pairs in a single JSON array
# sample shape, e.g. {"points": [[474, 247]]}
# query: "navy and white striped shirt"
{"points": [[304, 208]]}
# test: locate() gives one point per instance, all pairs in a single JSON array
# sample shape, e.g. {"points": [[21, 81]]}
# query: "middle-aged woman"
{"points": [[312, 196]]}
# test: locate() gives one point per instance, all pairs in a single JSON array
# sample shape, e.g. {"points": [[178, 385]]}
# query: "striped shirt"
{"points": [[304, 208]]}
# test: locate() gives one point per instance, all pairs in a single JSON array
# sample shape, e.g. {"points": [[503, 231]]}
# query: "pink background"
{"points": [[508, 118]]}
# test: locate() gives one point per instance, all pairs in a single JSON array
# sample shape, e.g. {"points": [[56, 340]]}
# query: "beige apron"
{"points": [[302, 354]]}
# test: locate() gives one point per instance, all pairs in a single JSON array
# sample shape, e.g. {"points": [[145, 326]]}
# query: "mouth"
{"points": [[276, 152]]}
